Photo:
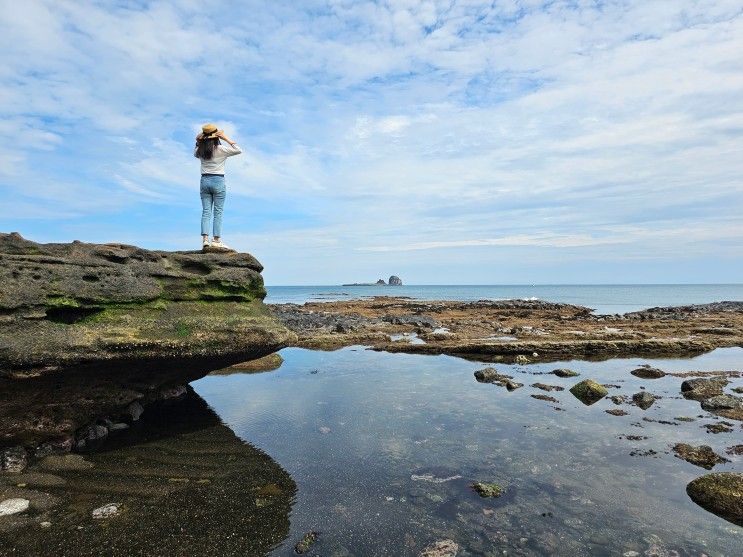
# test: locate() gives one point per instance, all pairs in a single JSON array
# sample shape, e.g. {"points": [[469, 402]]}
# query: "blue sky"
{"points": [[445, 142]]}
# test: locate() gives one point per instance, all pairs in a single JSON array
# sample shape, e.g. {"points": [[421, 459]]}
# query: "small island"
{"points": [[394, 280]]}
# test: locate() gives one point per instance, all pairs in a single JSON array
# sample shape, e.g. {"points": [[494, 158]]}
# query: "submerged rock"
{"points": [[441, 548], [490, 375], [307, 541], [548, 388], [643, 399], [588, 391], [564, 372], [618, 399], [616, 412], [513, 385], [13, 506], [545, 397], [735, 450], [90, 435], [648, 372], [720, 493], [13, 459], [106, 511], [702, 455], [721, 427], [485, 489]]}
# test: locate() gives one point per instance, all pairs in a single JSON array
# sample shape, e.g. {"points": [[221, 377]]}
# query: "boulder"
{"points": [[394, 281], [643, 399], [720, 493], [647, 372], [702, 455], [589, 392], [722, 402], [699, 389]]}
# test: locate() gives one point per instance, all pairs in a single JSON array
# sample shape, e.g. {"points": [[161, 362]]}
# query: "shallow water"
{"points": [[382, 448], [377, 452]]}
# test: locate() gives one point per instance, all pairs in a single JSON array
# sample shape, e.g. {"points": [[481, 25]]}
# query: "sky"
{"points": [[447, 142]]}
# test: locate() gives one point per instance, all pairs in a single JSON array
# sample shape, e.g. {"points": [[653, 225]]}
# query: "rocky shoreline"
{"points": [[512, 330], [90, 334]]}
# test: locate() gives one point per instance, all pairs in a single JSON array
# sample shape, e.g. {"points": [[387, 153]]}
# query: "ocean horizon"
{"points": [[602, 298]]}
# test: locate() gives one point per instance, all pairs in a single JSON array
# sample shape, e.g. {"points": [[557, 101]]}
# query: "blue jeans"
{"points": [[213, 192]]}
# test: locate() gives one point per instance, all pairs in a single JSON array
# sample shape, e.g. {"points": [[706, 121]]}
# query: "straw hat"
{"points": [[209, 131]]}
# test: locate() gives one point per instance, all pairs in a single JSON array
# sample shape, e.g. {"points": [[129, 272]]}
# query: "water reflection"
{"points": [[184, 483], [384, 447]]}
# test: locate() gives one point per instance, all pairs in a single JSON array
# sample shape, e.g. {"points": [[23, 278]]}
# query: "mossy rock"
{"points": [[485, 489], [719, 493], [589, 392]]}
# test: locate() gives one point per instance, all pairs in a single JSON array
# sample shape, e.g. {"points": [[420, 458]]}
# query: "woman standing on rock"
{"points": [[213, 191]]}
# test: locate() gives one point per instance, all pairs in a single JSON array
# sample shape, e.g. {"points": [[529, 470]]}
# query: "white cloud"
{"points": [[394, 126]]}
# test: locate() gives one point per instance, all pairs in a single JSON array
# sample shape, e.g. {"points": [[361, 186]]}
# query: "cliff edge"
{"points": [[78, 304]]}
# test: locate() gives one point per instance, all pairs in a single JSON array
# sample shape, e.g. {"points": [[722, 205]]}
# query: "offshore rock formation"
{"points": [[394, 281], [87, 330]]}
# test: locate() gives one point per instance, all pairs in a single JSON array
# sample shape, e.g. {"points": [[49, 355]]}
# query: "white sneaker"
{"points": [[220, 245], [204, 243]]}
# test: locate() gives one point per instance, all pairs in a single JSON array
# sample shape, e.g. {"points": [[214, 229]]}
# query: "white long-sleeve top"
{"points": [[215, 165]]}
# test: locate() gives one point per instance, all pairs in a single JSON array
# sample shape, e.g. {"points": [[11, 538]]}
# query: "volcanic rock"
{"points": [[720, 493]]}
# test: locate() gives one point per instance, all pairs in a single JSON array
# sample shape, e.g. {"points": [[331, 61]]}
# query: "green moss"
{"points": [[61, 302], [485, 489], [182, 330]]}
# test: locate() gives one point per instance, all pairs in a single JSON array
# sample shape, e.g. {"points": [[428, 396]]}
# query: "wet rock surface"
{"points": [[589, 392], [643, 399], [564, 372], [648, 372], [505, 330], [719, 493], [702, 455], [491, 375]]}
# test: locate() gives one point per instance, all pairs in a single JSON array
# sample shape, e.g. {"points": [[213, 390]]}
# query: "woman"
{"points": [[213, 192]]}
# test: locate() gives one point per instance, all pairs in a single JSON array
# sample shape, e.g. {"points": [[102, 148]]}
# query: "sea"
{"points": [[602, 298]]}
